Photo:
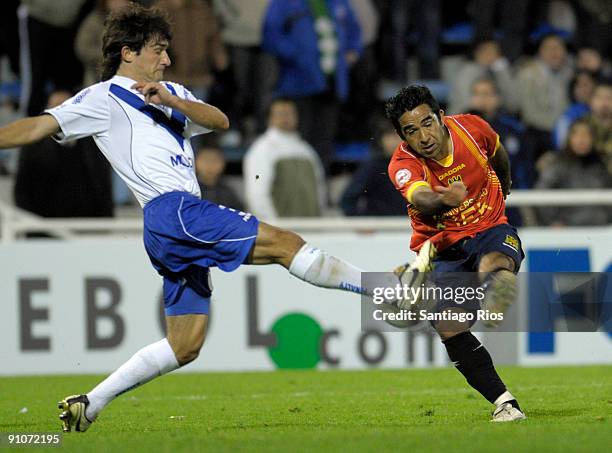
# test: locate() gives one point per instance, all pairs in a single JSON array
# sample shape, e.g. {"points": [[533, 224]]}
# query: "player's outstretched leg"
{"points": [[185, 339], [308, 263]]}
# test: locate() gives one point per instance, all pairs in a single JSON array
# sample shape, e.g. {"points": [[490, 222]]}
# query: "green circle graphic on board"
{"points": [[298, 337]]}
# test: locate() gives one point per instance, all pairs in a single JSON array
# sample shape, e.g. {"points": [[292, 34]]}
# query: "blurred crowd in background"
{"points": [[304, 82]]}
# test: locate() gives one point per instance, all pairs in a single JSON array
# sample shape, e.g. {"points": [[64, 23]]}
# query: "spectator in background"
{"points": [[315, 42], [283, 175], [210, 165], [486, 102], [543, 90], [578, 167], [9, 34], [88, 44], [424, 18], [357, 113], [594, 20], [67, 180], [512, 18], [48, 55], [589, 59], [600, 120], [488, 62], [9, 47], [197, 48], [370, 193], [253, 71], [580, 90]]}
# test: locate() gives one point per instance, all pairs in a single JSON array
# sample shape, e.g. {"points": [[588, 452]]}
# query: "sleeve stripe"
{"points": [[413, 187], [497, 143]]}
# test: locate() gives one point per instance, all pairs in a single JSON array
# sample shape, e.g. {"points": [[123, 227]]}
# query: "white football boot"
{"points": [[506, 412]]}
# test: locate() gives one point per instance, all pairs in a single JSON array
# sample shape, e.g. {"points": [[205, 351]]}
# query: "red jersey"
{"points": [[473, 143]]}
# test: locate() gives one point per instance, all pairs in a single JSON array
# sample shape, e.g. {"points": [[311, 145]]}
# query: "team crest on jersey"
{"points": [[402, 177], [456, 178], [511, 242]]}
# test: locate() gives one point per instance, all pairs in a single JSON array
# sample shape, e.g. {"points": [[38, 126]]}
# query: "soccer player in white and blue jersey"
{"points": [[143, 125]]}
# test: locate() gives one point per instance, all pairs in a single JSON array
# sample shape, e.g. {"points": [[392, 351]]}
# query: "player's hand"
{"points": [[452, 195], [154, 93]]}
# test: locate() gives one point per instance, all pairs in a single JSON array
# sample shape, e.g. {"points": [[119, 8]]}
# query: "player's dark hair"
{"points": [[133, 26], [409, 98]]}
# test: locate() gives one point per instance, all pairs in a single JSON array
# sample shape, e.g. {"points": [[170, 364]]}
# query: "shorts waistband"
{"points": [[169, 196]]}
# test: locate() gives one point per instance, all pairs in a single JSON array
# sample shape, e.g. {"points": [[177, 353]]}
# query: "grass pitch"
{"points": [[568, 409]]}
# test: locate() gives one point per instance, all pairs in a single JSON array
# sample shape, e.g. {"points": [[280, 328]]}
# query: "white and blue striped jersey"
{"points": [[147, 145]]}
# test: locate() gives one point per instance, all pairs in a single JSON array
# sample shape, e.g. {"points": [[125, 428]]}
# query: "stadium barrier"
{"points": [[14, 222]]}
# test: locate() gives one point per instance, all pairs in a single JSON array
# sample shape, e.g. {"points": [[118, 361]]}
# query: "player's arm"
{"points": [[439, 200], [205, 115], [501, 164], [28, 130]]}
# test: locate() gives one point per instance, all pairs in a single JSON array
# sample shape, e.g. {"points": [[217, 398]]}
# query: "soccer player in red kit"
{"points": [[455, 175]]}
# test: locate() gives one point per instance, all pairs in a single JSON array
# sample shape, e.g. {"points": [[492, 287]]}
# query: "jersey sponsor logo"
{"points": [[511, 242], [353, 288], [79, 97], [470, 211], [450, 172], [402, 177], [181, 160]]}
